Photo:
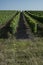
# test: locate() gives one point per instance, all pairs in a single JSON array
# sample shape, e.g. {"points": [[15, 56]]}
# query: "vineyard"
{"points": [[21, 37], [26, 24]]}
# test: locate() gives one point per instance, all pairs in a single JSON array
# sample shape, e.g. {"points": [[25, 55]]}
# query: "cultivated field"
{"points": [[21, 38]]}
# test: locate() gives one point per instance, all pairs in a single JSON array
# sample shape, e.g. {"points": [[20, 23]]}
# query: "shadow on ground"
{"points": [[21, 30], [4, 31], [40, 32]]}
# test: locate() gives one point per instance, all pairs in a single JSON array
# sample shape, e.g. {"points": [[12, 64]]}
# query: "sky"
{"points": [[21, 4]]}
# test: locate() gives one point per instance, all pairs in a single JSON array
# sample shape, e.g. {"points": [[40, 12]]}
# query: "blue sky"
{"points": [[21, 4]]}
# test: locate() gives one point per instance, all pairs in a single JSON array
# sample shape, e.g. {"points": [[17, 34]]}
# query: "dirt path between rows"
{"points": [[23, 30]]}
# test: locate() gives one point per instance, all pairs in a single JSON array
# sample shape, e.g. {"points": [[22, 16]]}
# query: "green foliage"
{"points": [[37, 17], [14, 23], [37, 13], [5, 16], [32, 23]]}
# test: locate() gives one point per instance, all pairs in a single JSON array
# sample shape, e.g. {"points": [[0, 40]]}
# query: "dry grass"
{"points": [[21, 52]]}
